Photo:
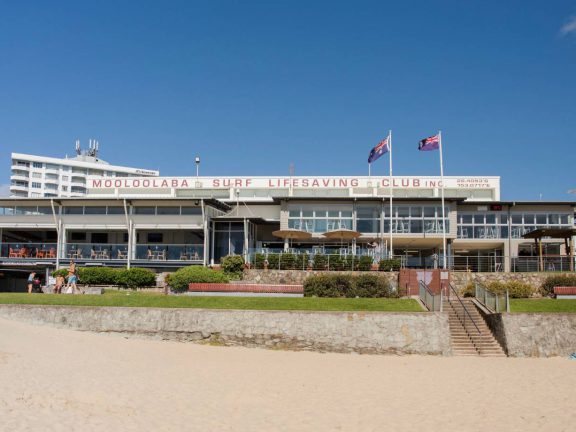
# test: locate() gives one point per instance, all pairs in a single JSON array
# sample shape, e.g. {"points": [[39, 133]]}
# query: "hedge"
{"points": [[547, 287], [367, 285], [516, 289], [180, 279], [389, 265], [131, 278]]}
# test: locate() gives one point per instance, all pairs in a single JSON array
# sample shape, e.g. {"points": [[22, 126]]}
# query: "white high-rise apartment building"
{"points": [[39, 176]]}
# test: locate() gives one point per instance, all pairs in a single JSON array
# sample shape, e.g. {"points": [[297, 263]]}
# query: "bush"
{"points": [[347, 286], [135, 278], [287, 261], [547, 287], [365, 263], [233, 266], [60, 272], [516, 289], [469, 290], [180, 279], [389, 265], [98, 276], [320, 262], [371, 286]]}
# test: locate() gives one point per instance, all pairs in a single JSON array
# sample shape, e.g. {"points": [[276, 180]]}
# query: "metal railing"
{"points": [[433, 302], [522, 264], [462, 313], [28, 250], [303, 260], [170, 252], [492, 301]]}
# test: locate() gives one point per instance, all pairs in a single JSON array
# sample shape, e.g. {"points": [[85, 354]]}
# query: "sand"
{"points": [[62, 380]]}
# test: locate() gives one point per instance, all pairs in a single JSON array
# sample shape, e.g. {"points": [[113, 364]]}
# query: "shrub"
{"points": [[135, 278], [259, 259], [371, 286], [273, 260], [547, 287], [287, 261], [347, 286], [320, 262], [365, 263], [516, 289], [98, 276], [389, 265], [60, 272], [328, 286], [469, 290], [180, 279], [233, 266]]}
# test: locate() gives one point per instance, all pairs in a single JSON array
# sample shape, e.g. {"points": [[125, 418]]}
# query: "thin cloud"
{"points": [[569, 26]]}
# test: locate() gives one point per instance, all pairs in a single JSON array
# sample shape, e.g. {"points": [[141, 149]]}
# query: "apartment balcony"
{"points": [[22, 176], [20, 168], [19, 188], [52, 171]]}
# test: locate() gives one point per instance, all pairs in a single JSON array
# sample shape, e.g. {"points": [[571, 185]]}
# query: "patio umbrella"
{"points": [[291, 234], [342, 234]]}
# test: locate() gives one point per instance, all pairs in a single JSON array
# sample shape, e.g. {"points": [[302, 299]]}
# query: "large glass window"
{"points": [[316, 218], [228, 239], [482, 225]]}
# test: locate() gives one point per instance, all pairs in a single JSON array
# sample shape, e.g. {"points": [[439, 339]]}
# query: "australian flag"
{"points": [[382, 148], [430, 143]]}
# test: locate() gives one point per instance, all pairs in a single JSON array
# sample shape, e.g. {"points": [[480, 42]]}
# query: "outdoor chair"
{"points": [[121, 254], [13, 254]]}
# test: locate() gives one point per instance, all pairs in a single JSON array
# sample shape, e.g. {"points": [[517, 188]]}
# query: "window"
{"points": [[51, 186], [78, 236], [65, 188], [65, 178], [144, 210], [115, 210], [73, 210], [95, 211], [155, 237], [37, 175], [191, 210], [37, 164], [36, 185], [168, 210], [100, 237]]}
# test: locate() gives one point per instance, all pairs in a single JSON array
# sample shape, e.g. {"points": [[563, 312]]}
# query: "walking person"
{"points": [[31, 278]]}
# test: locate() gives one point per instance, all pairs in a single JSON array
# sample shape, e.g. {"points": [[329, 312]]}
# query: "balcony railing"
{"points": [[95, 251], [170, 252], [28, 250]]}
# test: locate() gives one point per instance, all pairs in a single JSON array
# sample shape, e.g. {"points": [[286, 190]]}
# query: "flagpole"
{"points": [[442, 194], [369, 165], [390, 184]]}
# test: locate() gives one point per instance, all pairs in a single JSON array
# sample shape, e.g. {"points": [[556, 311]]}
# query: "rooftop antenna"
{"points": [[78, 151], [291, 169]]}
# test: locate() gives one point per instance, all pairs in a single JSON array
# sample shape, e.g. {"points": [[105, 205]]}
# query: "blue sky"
{"points": [[252, 86]]}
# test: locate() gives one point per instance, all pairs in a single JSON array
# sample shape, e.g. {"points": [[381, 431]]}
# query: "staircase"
{"points": [[470, 336]]}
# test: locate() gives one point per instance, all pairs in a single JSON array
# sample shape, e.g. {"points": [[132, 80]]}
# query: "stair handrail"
{"points": [[463, 307], [424, 287], [482, 293]]}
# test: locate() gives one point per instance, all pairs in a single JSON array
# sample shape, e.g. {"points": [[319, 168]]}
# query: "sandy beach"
{"points": [[62, 380]]}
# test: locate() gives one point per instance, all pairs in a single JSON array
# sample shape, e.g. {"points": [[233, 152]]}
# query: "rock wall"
{"points": [[539, 335], [361, 332], [297, 277], [460, 279]]}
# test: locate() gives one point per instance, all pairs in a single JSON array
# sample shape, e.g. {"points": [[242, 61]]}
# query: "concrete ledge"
{"points": [[361, 332], [239, 287]]}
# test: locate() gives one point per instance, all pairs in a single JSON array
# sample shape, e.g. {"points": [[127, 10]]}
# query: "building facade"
{"points": [[167, 222], [39, 176]]}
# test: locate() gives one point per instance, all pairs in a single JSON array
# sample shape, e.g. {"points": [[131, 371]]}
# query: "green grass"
{"points": [[542, 305], [143, 299]]}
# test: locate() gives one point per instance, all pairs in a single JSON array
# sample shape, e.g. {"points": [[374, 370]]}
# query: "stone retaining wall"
{"points": [[361, 332], [297, 277], [539, 335]]}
